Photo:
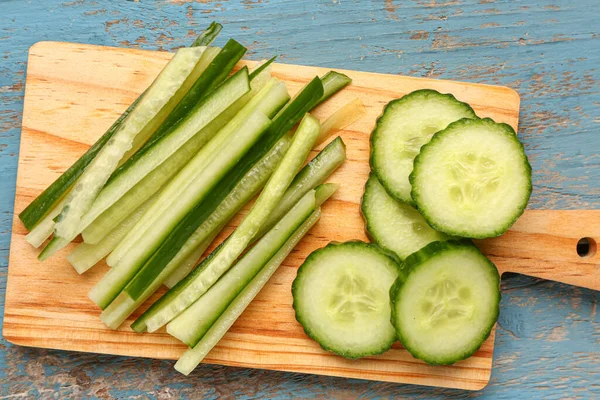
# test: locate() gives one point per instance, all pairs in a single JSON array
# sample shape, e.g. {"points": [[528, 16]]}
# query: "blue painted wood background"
{"points": [[548, 340]]}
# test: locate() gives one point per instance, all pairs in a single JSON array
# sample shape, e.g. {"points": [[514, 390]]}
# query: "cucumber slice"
{"points": [[405, 125], [448, 303], [194, 322], [394, 225], [473, 179], [341, 298]]}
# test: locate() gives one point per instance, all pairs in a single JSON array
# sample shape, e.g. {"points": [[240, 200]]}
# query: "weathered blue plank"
{"points": [[548, 341]]}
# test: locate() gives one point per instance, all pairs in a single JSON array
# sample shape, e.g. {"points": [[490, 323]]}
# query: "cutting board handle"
{"points": [[543, 243]]}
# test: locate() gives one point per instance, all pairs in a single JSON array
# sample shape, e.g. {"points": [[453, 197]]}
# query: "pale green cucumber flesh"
{"points": [[156, 179], [269, 99], [448, 303], [194, 322], [197, 285], [244, 190], [191, 358], [116, 279], [341, 298], [285, 120], [473, 179], [405, 125], [394, 225], [86, 255], [158, 101], [311, 175]]}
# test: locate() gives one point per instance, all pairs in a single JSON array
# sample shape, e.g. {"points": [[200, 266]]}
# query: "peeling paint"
{"points": [[390, 9], [420, 35]]}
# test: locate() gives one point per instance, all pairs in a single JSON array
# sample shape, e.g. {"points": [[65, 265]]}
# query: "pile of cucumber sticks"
{"points": [[157, 188]]}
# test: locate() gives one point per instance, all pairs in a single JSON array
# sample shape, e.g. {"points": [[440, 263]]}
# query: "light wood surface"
{"points": [[74, 92]]}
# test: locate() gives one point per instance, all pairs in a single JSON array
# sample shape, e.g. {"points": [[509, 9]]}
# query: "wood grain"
{"points": [[73, 94]]}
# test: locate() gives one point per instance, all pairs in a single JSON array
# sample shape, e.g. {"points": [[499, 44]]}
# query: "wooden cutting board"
{"points": [[74, 92]]}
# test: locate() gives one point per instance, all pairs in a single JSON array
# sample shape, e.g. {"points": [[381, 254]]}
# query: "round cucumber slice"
{"points": [[405, 125], [472, 179], [341, 298], [394, 225], [447, 305]]}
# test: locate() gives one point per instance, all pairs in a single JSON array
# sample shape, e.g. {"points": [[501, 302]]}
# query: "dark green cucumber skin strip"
{"points": [[333, 82], [208, 35], [213, 76], [260, 69], [39, 207], [412, 264], [284, 121]]}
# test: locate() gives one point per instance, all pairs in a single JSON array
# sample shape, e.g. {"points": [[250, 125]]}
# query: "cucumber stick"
{"points": [[446, 306], [230, 195], [191, 358], [46, 202], [192, 324], [191, 289], [327, 160], [348, 114], [341, 298], [140, 142], [317, 170], [333, 82], [208, 35], [114, 281], [214, 74], [192, 126], [147, 187], [179, 193], [86, 255], [191, 252], [313, 173], [483, 179], [394, 225], [158, 101], [305, 100], [123, 305], [45, 227], [405, 125]]}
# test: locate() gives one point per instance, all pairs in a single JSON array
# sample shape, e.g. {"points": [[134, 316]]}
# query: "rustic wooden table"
{"points": [[548, 340]]}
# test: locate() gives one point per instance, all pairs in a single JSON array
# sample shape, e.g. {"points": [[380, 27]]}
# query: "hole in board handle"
{"points": [[586, 247]]}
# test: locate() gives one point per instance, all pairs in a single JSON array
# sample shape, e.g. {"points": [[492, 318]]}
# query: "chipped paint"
{"points": [[390, 9], [548, 340]]}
